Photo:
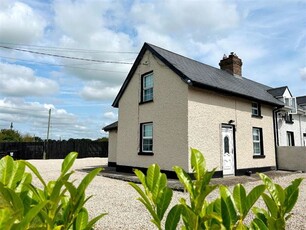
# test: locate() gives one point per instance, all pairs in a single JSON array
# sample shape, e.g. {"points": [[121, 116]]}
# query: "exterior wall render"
{"points": [[112, 146], [291, 158], [206, 113], [168, 112]]}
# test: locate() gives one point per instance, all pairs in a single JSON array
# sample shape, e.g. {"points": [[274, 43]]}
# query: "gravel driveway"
{"points": [[118, 198]]}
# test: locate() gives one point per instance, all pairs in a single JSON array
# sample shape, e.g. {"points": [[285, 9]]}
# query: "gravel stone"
{"points": [[119, 199]]}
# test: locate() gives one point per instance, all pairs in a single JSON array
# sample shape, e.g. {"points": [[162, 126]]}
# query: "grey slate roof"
{"points": [[278, 92], [111, 126], [204, 76], [301, 100]]}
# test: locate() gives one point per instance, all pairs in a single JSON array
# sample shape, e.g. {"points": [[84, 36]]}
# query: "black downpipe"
{"points": [[276, 138]]}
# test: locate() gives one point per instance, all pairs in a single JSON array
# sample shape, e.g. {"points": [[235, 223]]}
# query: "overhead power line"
{"points": [[66, 57], [65, 49], [61, 65]]}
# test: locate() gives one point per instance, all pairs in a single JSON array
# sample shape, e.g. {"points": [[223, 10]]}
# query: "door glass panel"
{"points": [[226, 144]]}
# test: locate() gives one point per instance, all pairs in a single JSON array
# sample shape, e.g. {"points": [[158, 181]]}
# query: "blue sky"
{"points": [[269, 37]]}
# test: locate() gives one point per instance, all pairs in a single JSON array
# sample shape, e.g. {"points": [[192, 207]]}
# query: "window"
{"points": [[146, 143], [290, 138], [147, 87], [257, 142], [256, 109], [304, 139], [288, 118]]}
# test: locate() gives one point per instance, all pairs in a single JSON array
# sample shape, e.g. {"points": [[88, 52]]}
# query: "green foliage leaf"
{"points": [[271, 188], [226, 196], [164, 201], [198, 163], [141, 177], [93, 221], [68, 162], [25, 222], [239, 195], [173, 217], [291, 200], [35, 171], [292, 193], [153, 176], [259, 224], [226, 218], [184, 179], [252, 197], [82, 219], [272, 207]]}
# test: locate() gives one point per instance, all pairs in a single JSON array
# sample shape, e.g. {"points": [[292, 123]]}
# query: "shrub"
{"points": [[58, 205], [228, 211]]}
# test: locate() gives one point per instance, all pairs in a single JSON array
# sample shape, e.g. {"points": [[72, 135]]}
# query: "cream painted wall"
{"points": [[208, 110], [168, 113], [112, 146]]}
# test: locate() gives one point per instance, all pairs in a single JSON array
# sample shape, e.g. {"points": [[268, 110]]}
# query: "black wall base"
{"points": [[112, 164], [249, 171]]}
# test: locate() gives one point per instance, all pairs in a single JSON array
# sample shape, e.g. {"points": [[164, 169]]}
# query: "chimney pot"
{"points": [[232, 64]]}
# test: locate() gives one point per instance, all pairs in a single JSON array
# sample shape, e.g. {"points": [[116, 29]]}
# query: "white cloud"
{"points": [[32, 118], [19, 23], [96, 90], [110, 116], [303, 73], [16, 80]]}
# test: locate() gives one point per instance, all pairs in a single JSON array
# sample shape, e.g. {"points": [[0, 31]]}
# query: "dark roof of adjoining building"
{"points": [[204, 76], [278, 92], [111, 126], [301, 100]]}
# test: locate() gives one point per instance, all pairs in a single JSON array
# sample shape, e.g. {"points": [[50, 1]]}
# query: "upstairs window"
{"points": [[288, 118], [256, 109], [257, 142], [147, 87]]}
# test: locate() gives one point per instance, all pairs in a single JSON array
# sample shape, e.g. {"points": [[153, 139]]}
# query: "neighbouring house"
{"points": [[291, 119], [169, 103], [112, 142]]}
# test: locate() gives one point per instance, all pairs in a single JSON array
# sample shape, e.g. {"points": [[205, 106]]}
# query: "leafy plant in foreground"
{"points": [[58, 205], [279, 202], [228, 211]]}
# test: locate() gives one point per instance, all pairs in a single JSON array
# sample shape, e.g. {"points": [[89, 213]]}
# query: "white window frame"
{"points": [[255, 109], [143, 137], [147, 88], [259, 141], [290, 102]]}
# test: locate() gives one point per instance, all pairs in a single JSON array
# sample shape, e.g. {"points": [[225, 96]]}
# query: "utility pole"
{"points": [[46, 147]]}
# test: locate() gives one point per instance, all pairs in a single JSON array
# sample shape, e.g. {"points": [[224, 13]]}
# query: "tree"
{"points": [[103, 139], [9, 135]]}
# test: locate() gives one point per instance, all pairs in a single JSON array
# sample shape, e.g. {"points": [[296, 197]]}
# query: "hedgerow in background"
{"points": [[228, 211], [58, 205]]}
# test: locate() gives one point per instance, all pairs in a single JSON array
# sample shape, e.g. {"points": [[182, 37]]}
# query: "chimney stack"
{"points": [[232, 64]]}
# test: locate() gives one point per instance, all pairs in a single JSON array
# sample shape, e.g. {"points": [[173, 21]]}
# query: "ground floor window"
{"points": [[146, 143], [257, 142], [290, 138], [304, 139]]}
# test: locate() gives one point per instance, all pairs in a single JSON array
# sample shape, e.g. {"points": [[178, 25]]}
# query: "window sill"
{"points": [[258, 156], [257, 116], [145, 102], [146, 153]]}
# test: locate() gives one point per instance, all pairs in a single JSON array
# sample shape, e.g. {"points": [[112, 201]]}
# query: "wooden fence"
{"points": [[54, 149]]}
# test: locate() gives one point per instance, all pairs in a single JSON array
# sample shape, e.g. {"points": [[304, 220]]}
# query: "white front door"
{"points": [[228, 150]]}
